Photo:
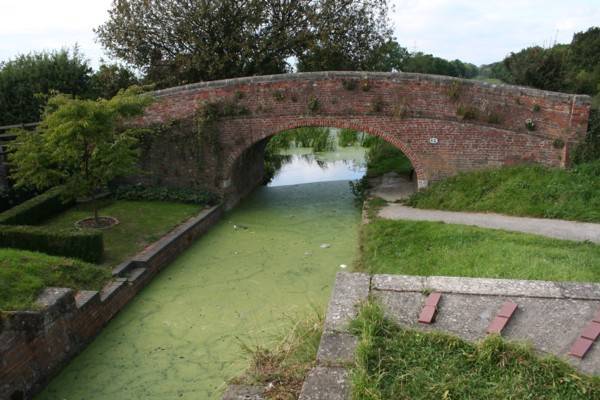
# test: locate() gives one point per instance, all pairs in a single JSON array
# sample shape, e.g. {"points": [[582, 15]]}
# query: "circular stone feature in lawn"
{"points": [[103, 222]]}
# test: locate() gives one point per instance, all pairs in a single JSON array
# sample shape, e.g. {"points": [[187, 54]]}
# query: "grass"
{"points": [[434, 248], [533, 191], [396, 363], [24, 274], [283, 369], [141, 223]]}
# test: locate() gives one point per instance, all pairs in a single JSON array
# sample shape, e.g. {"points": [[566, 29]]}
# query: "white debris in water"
{"points": [[343, 266], [325, 246], [308, 253]]}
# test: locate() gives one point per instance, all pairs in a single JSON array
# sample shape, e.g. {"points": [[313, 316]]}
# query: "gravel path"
{"points": [[553, 228]]}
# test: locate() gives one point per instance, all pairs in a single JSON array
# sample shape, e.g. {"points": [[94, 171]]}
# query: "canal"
{"points": [[271, 259]]}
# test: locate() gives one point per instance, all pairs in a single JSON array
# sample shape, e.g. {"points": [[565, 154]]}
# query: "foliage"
{"points": [[348, 137], [433, 248], [37, 209], [80, 144], [319, 139], [428, 64], [24, 274], [525, 190], [467, 113], [28, 80], [383, 157], [86, 245], [283, 369], [359, 189], [177, 42], [348, 35], [313, 104], [109, 79], [12, 197], [393, 363], [161, 193], [589, 149], [140, 224], [574, 67]]}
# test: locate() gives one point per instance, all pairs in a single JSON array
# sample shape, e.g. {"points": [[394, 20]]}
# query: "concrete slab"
{"points": [[348, 292], [336, 349], [326, 383]]}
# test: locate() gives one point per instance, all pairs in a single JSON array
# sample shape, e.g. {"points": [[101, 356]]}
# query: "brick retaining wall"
{"points": [[36, 345]]}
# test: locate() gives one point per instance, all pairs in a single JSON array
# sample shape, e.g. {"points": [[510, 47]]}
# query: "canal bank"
{"points": [[270, 260]]}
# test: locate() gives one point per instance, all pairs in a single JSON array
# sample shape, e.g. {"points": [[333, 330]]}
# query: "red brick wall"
{"points": [[34, 346], [405, 109]]}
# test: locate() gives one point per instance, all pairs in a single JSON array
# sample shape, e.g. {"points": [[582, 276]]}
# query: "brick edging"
{"points": [[36, 345]]}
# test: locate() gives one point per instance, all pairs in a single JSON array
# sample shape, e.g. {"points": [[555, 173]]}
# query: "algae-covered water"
{"points": [[263, 264]]}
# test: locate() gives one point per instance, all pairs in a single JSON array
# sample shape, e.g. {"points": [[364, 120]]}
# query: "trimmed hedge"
{"points": [[85, 245], [35, 210]]}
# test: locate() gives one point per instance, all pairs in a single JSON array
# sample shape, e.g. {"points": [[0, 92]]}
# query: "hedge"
{"points": [[35, 210], [85, 245], [161, 193]]}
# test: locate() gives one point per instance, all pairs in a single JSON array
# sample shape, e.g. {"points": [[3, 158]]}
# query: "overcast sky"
{"points": [[480, 32]]}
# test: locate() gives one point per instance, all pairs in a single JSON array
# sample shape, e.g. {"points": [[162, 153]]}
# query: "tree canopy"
{"points": [[183, 41], [81, 144]]}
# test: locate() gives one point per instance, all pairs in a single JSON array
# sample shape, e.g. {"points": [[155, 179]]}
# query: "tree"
{"points": [[538, 67], [180, 41], [348, 35], [81, 144], [109, 79], [27, 81]]}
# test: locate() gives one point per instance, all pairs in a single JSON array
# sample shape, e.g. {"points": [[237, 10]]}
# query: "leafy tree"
{"points": [[538, 67], [28, 80], [109, 79], [347, 35], [192, 40], [81, 144]]}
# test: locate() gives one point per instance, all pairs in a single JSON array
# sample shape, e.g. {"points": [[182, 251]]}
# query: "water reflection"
{"points": [[300, 165]]}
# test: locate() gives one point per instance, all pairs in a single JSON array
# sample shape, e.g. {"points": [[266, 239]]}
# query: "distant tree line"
{"points": [[573, 67], [27, 82]]}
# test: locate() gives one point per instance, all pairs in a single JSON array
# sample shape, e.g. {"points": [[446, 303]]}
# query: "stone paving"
{"points": [[550, 316]]}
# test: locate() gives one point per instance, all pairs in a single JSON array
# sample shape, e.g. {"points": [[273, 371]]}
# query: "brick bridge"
{"points": [[214, 133]]}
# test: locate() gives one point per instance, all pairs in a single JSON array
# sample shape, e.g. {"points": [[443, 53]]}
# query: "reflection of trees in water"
{"points": [[273, 163]]}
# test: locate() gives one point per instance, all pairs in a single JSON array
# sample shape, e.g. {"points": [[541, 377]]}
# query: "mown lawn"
{"points": [[522, 190], [141, 223], [396, 363], [24, 274], [434, 248]]}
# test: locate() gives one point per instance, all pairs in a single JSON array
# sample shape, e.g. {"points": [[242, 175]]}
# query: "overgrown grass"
{"points": [[283, 369], [24, 274], [141, 223], [434, 248], [522, 190], [395, 363]]}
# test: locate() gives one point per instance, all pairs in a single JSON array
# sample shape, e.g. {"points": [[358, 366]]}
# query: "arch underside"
{"points": [[435, 148]]}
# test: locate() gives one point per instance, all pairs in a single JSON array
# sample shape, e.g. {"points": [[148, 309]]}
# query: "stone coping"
{"points": [[54, 302], [393, 76], [487, 287]]}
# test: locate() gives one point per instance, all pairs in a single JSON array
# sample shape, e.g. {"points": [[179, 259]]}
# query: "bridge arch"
{"points": [[444, 125]]}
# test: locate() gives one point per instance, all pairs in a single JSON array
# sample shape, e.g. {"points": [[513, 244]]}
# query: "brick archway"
{"points": [[340, 124], [443, 125]]}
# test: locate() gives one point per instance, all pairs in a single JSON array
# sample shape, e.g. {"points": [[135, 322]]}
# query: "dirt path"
{"points": [[553, 228]]}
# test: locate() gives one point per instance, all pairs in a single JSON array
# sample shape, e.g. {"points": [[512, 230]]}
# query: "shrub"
{"points": [[589, 149], [350, 84], [313, 104], [467, 112], [36, 209], [161, 193], [85, 245], [347, 137]]}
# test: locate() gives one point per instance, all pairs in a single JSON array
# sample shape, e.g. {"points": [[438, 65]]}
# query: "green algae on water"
{"points": [[182, 336]]}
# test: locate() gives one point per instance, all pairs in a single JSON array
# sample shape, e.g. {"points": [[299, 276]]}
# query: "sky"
{"points": [[480, 32]]}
